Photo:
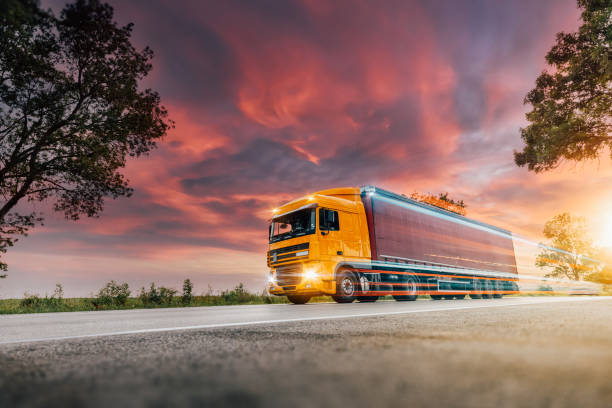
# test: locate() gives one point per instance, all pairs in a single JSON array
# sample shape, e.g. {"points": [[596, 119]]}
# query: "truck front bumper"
{"points": [[309, 280]]}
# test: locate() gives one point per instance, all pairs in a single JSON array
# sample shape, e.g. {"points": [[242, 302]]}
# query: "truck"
{"points": [[361, 243]]}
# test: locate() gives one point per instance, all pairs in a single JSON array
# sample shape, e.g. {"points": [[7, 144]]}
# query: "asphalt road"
{"points": [[525, 352]]}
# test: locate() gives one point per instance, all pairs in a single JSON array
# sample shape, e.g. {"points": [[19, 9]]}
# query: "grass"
{"points": [[116, 297], [14, 306]]}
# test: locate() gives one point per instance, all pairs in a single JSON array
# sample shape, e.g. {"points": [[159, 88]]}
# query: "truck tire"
{"points": [[436, 297], [487, 289], [346, 286], [476, 287], [499, 287], [366, 299], [411, 287], [364, 287], [298, 299]]}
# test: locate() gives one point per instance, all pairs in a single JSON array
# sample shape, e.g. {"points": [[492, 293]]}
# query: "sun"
{"points": [[605, 239]]}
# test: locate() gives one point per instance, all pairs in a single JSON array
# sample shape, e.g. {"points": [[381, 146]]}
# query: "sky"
{"points": [[277, 99]]}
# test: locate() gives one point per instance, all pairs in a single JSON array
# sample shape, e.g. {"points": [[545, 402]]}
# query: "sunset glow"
{"points": [[605, 239], [412, 96]]}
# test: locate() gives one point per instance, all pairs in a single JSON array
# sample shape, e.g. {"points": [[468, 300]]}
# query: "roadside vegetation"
{"points": [[118, 296]]}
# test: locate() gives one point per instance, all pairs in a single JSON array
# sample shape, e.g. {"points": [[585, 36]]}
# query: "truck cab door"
{"points": [[351, 236], [329, 229]]}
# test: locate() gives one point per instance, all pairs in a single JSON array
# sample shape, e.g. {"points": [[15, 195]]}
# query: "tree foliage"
{"points": [[187, 292], [71, 111], [569, 234], [445, 197], [572, 104], [442, 200], [113, 294], [604, 274]]}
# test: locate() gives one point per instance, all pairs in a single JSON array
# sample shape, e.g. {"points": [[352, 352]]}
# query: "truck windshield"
{"points": [[292, 225]]}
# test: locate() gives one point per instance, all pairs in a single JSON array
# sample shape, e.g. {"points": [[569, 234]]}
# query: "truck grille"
{"points": [[289, 275], [287, 254]]}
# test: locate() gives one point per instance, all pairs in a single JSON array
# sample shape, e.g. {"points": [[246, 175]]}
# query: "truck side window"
{"points": [[328, 220]]}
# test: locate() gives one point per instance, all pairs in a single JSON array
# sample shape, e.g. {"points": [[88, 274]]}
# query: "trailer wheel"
{"points": [[364, 287], [298, 299], [346, 286], [499, 287], [487, 289], [459, 297], [436, 297], [410, 288], [477, 288], [365, 299]]}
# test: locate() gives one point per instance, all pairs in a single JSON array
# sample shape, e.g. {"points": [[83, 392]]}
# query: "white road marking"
{"points": [[534, 300]]}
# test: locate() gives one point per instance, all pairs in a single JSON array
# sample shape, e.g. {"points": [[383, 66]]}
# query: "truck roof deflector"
{"points": [[311, 205]]}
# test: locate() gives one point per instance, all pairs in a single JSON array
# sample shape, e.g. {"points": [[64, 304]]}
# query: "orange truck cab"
{"points": [[307, 243]]}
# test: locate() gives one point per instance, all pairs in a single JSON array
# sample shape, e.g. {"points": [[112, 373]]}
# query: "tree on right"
{"points": [[572, 104], [568, 234]]}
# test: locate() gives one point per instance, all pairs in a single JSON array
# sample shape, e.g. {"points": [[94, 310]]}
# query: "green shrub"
{"points": [[238, 295], [34, 301], [31, 301], [157, 296], [113, 294], [187, 292]]}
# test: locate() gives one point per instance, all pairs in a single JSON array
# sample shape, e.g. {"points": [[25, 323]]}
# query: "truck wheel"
{"points": [[364, 287], [477, 288], [436, 297], [499, 287], [367, 299], [487, 290], [410, 286], [346, 286], [298, 299], [459, 297]]}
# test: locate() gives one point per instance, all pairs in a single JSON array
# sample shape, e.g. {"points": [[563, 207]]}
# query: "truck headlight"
{"points": [[271, 278], [310, 274]]}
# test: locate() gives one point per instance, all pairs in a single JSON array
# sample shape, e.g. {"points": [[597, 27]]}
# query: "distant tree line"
{"points": [[116, 295]]}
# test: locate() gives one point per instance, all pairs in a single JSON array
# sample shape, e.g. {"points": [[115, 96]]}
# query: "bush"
{"points": [[187, 292], [36, 302], [156, 296], [30, 301], [237, 295], [113, 294]]}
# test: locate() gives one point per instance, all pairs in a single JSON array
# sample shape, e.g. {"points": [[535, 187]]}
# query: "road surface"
{"points": [[539, 351]]}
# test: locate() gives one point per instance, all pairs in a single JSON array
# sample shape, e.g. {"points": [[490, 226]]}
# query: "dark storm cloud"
{"points": [[269, 167]]}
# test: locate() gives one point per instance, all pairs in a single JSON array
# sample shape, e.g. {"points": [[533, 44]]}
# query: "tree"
{"points": [[572, 105], [113, 293], [71, 111], [570, 235], [446, 198], [187, 291], [603, 275], [442, 200]]}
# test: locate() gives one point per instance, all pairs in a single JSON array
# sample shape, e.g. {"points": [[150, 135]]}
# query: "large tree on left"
{"points": [[71, 111]]}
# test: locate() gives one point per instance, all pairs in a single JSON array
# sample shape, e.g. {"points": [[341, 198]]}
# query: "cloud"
{"points": [[273, 100]]}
